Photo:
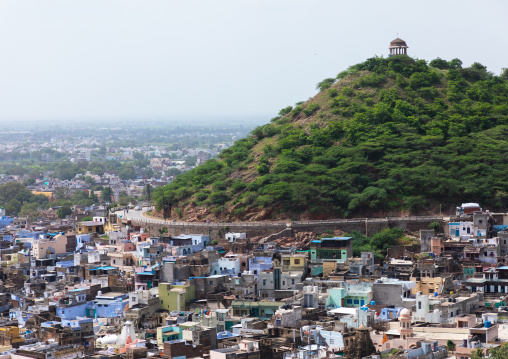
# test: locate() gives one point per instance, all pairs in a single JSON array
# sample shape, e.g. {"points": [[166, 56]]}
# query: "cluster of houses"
{"points": [[106, 288]]}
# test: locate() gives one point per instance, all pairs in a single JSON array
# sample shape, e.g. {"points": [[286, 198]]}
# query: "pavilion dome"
{"points": [[398, 43], [405, 313]]}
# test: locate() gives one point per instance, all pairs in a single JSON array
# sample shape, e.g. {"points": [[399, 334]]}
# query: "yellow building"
{"points": [[9, 336], [175, 297], [428, 285], [294, 262], [90, 227]]}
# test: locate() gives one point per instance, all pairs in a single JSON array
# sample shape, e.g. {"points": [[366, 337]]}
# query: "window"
{"points": [[292, 281], [283, 282], [264, 281], [431, 291], [349, 301], [419, 305], [356, 301], [162, 302], [331, 341], [297, 261]]}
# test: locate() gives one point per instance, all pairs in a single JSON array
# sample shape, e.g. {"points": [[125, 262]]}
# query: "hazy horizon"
{"points": [[202, 61]]}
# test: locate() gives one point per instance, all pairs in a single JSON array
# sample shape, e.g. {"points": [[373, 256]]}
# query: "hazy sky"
{"points": [[115, 59]]}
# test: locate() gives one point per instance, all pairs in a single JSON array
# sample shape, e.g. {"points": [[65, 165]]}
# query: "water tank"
{"points": [[488, 324], [435, 294], [99, 292], [372, 302]]}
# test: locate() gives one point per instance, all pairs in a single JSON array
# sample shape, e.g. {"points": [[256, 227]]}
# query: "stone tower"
{"points": [[363, 345], [398, 47], [405, 324]]}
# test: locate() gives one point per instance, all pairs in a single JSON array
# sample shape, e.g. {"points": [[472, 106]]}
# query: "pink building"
{"points": [[55, 245], [436, 245]]}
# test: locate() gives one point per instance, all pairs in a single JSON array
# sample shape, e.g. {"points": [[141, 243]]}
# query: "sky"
{"points": [[184, 60]]}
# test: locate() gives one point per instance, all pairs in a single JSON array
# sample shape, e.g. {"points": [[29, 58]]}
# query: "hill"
{"points": [[394, 135]]}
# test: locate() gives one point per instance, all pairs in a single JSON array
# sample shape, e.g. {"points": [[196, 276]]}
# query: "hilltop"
{"points": [[386, 136]]}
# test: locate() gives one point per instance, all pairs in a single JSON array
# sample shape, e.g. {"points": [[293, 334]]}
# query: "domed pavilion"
{"points": [[398, 47]]}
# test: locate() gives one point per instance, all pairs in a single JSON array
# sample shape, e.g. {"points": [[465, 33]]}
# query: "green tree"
{"points": [[61, 193], [30, 211], [439, 64], [147, 191], [127, 173], [99, 171], [13, 207], [138, 156], [504, 74], [90, 181], [456, 64], [12, 190], [191, 160], [450, 345], [106, 194], [149, 172], [66, 171], [477, 354], [436, 226], [173, 172], [285, 111], [500, 352], [478, 66], [29, 181], [64, 211], [325, 84]]}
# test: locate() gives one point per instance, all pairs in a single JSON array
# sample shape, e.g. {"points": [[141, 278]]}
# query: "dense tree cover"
{"points": [[17, 198], [390, 134]]}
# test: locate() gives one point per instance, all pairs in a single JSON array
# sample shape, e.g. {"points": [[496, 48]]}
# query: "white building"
{"points": [[230, 264]]}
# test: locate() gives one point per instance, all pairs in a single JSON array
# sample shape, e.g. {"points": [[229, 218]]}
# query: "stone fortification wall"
{"points": [[367, 226]]}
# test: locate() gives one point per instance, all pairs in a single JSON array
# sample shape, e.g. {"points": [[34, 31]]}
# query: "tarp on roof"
{"points": [[104, 268], [317, 271]]}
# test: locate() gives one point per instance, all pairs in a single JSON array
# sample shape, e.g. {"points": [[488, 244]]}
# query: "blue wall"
{"points": [[74, 311]]}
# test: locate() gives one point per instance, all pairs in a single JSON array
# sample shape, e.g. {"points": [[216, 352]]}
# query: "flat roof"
{"points": [[91, 223]]}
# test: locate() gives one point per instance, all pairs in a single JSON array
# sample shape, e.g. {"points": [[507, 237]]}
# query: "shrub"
{"points": [[311, 109], [325, 84]]}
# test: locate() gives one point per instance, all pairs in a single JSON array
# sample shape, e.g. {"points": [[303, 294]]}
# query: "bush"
{"points": [[440, 64], [311, 109], [373, 80], [285, 111], [325, 84], [219, 197]]}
